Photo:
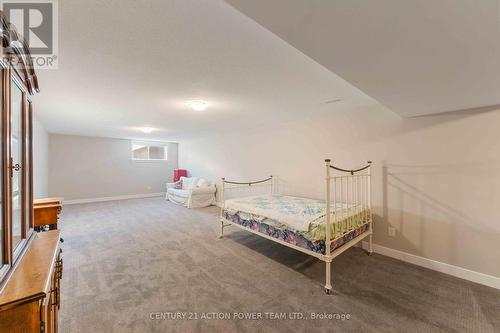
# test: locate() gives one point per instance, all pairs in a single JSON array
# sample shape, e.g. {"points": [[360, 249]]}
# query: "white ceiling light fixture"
{"points": [[147, 130], [198, 105]]}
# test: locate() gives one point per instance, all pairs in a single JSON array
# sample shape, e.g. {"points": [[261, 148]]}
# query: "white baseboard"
{"points": [[119, 197], [463, 273]]}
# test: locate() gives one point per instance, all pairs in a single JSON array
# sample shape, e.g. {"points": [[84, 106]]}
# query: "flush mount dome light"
{"points": [[147, 130], [198, 105]]}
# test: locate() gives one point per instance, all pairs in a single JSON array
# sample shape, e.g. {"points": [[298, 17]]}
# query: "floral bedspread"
{"points": [[295, 212]]}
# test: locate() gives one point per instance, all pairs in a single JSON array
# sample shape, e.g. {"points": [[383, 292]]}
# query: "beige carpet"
{"points": [[127, 261]]}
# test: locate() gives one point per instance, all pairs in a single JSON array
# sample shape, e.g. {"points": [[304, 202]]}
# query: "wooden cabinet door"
{"points": [[21, 319]]}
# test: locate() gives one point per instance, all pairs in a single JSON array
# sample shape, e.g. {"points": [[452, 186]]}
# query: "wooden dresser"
{"points": [[30, 299], [47, 212]]}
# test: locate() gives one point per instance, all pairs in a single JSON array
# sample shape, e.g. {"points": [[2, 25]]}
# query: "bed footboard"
{"points": [[352, 194]]}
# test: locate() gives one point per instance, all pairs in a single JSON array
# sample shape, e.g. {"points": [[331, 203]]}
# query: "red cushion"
{"points": [[178, 173]]}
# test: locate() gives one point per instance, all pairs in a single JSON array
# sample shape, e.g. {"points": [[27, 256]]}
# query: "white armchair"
{"points": [[191, 192]]}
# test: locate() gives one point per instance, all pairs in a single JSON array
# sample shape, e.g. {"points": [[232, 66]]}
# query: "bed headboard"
{"points": [[235, 189]]}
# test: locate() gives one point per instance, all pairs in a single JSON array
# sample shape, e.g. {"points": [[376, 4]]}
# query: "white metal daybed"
{"points": [[321, 228]]}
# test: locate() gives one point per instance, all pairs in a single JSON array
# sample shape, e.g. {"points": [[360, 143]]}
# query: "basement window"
{"points": [[149, 151]]}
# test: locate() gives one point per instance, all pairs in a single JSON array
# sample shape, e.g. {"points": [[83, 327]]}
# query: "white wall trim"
{"points": [[119, 197], [463, 273]]}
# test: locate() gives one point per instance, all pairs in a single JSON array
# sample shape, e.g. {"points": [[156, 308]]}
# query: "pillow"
{"points": [[189, 182], [193, 181], [203, 183], [184, 182]]}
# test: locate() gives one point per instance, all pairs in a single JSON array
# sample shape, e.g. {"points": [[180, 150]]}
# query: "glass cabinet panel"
{"points": [[28, 202], [17, 83], [2, 222], [16, 163], [16, 170]]}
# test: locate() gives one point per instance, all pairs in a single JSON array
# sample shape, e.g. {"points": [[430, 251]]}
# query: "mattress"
{"points": [[299, 221], [300, 239]]}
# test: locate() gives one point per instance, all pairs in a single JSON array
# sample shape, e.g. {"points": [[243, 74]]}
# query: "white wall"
{"points": [[436, 179], [40, 160], [90, 167]]}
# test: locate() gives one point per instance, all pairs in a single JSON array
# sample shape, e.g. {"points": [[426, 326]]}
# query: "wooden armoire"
{"points": [[30, 262]]}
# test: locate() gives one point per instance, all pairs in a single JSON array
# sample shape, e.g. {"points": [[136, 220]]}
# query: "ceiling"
{"points": [[127, 64], [415, 57]]}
